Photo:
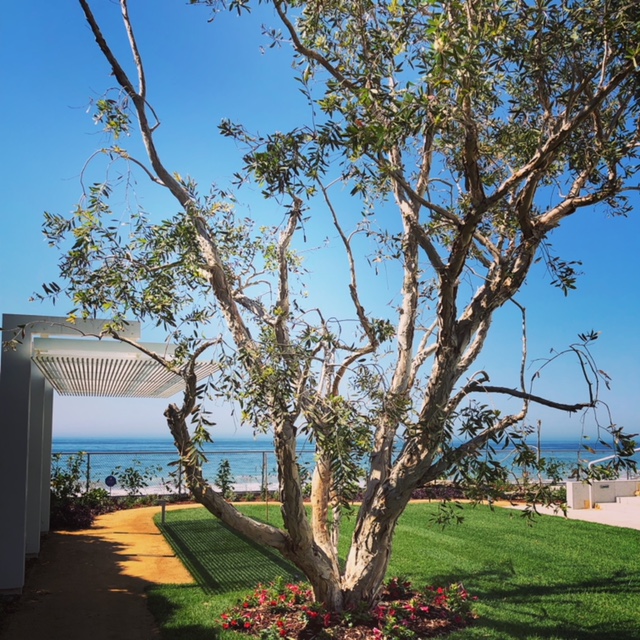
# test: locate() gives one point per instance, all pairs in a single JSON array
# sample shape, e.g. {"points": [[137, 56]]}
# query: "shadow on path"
{"points": [[76, 590]]}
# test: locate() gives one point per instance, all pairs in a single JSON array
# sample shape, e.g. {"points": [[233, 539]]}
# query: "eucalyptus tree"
{"points": [[466, 132]]}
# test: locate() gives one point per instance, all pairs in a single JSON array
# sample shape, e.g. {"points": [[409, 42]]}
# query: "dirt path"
{"points": [[91, 584]]}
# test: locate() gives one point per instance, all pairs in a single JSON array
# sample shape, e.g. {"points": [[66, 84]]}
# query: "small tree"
{"points": [[224, 480], [136, 477], [466, 130]]}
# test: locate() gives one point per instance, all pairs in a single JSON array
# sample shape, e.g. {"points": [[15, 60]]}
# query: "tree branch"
{"points": [[423, 352], [476, 387], [282, 315], [214, 265], [550, 147], [310, 53], [453, 457], [142, 85], [353, 287]]}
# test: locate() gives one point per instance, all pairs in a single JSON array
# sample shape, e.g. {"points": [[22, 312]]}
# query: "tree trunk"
{"points": [[370, 551]]}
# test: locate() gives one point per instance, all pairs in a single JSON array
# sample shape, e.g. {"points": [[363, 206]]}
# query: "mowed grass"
{"points": [[554, 580]]}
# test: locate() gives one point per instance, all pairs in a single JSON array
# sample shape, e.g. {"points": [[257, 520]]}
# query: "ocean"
{"points": [[146, 462], [252, 462]]}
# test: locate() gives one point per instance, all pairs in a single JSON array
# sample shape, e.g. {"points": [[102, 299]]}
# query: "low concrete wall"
{"points": [[581, 495]]}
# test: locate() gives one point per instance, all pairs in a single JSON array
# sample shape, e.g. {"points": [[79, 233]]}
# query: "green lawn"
{"points": [[558, 579]]}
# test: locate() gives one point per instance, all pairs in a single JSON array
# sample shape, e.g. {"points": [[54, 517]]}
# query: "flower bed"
{"points": [[283, 610]]}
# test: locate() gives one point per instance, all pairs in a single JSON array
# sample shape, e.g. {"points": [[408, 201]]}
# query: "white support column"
{"points": [[14, 451], [34, 461], [47, 443]]}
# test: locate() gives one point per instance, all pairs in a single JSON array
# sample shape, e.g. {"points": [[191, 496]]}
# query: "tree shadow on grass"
{"points": [[550, 611], [222, 560], [165, 609]]}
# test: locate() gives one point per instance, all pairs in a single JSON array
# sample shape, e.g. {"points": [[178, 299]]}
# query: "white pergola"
{"points": [[53, 354]]}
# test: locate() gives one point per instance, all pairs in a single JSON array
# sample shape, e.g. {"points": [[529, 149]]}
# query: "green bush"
{"points": [[224, 479], [72, 506], [135, 478]]}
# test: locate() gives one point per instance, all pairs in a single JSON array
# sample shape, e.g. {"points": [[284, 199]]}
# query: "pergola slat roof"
{"points": [[109, 368]]}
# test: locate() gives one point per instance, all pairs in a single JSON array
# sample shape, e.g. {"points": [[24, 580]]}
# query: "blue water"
{"points": [[566, 450], [252, 461], [96, 445]]}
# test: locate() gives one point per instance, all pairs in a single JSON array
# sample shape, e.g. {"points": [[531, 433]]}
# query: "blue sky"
{"points": [[199, 73]]}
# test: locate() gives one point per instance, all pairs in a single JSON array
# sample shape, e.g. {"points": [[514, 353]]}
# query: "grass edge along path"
{"points": [[555, 580]]}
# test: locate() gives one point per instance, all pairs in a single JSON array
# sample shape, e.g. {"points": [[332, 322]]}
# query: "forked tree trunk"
{"points": [[370, 551]]}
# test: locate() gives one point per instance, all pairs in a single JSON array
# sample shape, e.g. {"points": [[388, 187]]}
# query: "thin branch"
{"points": [[471, 154], [437, 209], [541, 156], [473, 350], [395, 173], [426, 245], [453, 457], [476, 387], [426, 154], [283, 285], [125, 156], [344, 367], [254, 306], [353, 286], [140, 105], [142, 85], [422, 354], [552, 218], [217, 277], [310, 53], [152, 354], [523, 361]]}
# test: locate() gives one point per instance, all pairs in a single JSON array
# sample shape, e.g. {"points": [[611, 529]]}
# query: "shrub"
{"points": [[224, 479], [72, 507], [135, 478], [69, 515]]}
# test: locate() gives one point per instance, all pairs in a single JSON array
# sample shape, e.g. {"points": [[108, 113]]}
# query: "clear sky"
{"points": [[199, 73]]}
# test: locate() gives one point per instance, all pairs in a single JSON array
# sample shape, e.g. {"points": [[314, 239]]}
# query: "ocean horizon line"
{"points": [[261, 440]]}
